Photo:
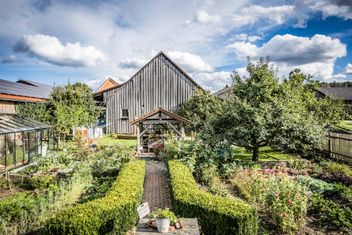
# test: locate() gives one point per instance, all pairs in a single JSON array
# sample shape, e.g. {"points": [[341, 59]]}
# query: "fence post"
{"points": [[330, 155]]}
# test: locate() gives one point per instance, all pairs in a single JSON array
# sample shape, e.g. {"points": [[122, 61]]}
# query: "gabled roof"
{"points": [[10, 123], [161, 53], [223, 90], [24, 90], [344, 93], [160, 110], [109, 83]]}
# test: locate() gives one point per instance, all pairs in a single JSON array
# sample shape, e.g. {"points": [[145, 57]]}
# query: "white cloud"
{"points": [[202, 17], [340, 8], [246, 37], [348, 69], [50, 49], [9, 59], [132, 63], [190, 62], [315, 55], [214, 81], [251, 15]]}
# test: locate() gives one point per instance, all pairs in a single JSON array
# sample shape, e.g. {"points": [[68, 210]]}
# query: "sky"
{"points": [[57, 42]]}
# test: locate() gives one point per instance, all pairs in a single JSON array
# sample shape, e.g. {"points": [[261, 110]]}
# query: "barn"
{"points": [[161, 83]]}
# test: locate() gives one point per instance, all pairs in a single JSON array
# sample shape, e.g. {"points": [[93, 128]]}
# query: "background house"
{"points": [[13, 93], [160, 83], [342, 93], [22, 139]]}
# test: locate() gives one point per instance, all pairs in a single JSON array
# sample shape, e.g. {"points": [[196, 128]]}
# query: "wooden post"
{"points": [[330, 147], [14, 149], [183, 135], [138, 137]]}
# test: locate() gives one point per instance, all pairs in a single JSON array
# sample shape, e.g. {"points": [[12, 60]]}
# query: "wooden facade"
{"points": [[160, 83], [7, 107]]}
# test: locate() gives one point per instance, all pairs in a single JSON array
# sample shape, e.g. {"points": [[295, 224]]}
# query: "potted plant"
{"points": [[163, 218]]}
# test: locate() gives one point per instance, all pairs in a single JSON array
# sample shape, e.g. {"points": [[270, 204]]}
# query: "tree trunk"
{"points": [[255, 156]]}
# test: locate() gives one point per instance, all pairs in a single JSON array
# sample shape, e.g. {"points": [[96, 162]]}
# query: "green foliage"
{"points": [[110, 159], [330, 213], [17, 209], [216, 214], [98, 189], [263, 111], [163, 214], [72, 106], [314, 185], [278, 198], [286, 202], [28, 211], [336, 172], [114, 212], [200, 108], [38, 181], [34, 111]]}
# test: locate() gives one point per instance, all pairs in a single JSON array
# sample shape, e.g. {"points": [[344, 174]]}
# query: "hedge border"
{"points": [[216, 214], [116, 212]]}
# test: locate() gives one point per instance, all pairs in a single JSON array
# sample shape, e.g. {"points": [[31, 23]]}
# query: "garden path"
{"points": [[156, 185]]}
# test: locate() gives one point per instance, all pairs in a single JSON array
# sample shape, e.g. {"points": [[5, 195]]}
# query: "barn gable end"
{"points": [[160, 83]]}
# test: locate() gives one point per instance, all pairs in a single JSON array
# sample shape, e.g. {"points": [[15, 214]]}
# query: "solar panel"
{"points": [[37, 90]]}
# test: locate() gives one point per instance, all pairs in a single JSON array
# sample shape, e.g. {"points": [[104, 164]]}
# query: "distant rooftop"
{"points": [[24, 88], [344, 93]]}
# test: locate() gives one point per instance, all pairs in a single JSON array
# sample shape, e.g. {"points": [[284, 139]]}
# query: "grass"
{"points": [[111, 140], [346, 125], [265, 154]]}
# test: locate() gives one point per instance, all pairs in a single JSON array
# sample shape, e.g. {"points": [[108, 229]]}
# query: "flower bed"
{"points": [[216, 214], [115, 212]]}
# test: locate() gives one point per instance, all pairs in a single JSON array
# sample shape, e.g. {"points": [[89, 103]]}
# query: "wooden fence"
{"points": [[339, 146]]}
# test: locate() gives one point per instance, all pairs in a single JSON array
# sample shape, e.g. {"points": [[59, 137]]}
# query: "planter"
{"points": [[162, 225]]}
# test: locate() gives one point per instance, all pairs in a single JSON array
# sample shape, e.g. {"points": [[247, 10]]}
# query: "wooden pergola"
{"points": [[157, 121]]}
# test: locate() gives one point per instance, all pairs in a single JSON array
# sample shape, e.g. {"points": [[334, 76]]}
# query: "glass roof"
{"points": [[10, 123]]}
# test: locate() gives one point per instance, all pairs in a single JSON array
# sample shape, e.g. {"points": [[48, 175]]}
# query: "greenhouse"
{"points": [[22, 140]]}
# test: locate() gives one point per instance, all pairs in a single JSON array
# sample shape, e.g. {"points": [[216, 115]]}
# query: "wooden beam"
{"points": [[146, 129], [174, 128]]}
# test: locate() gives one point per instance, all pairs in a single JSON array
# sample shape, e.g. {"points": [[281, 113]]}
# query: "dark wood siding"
{"points": [[158, 84]]}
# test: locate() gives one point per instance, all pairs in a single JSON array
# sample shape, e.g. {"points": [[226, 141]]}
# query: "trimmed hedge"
{"points": [[116, 212], [216, 214]]}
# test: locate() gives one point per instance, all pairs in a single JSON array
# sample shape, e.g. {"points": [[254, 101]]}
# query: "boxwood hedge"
{"points": [[116, 212], [216, 214]]}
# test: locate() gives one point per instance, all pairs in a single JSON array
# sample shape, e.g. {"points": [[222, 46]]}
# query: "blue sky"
{"points": [[53, 41]]}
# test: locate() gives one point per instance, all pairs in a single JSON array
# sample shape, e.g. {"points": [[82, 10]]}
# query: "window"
{"points": [[124, 113]]}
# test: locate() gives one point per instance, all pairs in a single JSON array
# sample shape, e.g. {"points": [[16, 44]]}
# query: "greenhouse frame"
{"points": [[22, 140]]}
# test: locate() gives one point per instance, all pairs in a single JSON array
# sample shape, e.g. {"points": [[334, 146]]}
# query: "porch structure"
{"points": [[154, 127]]}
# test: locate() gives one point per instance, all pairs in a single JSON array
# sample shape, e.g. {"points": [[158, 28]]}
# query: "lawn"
{"points": [[111, 140], [346, 125], [265, 154]]}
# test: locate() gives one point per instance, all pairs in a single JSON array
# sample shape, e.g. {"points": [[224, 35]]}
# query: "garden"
{"points": [[255, 164], [296, 196], [34, 197]]}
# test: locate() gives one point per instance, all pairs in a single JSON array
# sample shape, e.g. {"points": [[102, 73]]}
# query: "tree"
{"points": [[200, 108], [264, 111], [72, 106], [34, 111]]}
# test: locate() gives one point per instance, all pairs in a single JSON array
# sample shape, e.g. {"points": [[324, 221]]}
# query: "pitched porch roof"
{"points": [[163, 111]]}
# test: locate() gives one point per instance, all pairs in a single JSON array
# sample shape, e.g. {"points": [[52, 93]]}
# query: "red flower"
{"points": [[289, 201]]}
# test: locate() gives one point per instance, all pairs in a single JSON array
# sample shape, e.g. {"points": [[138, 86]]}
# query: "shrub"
{"points": [[336, 172], [314, 185], [114, 212], [19, 208], [277, 197], [216, 214], [286, 202], [109, 160], [330, 213]]}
